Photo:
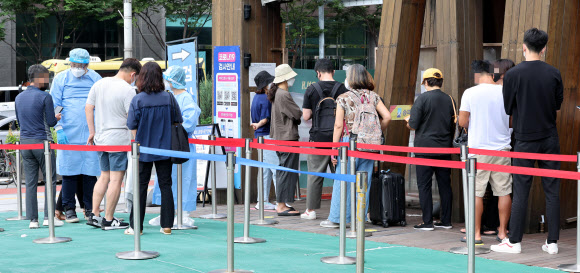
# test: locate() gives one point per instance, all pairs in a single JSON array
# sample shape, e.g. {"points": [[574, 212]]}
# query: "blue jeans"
{"points": [[269, 174], [364, 165]]}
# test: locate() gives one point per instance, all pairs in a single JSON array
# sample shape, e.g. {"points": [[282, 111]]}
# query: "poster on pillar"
{"points": [[227, 85], [185, 55]]}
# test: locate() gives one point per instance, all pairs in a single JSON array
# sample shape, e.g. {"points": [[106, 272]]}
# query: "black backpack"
{"points": [[324, 116]]}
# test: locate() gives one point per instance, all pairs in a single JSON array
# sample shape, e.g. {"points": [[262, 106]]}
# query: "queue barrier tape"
{"points": [[225, 142], [408, 160], [533, 156], [91, 148], [241, 161], [190, 155], [306, 144], [296, 150], [529, 171], [402, 149], [21, 147]]}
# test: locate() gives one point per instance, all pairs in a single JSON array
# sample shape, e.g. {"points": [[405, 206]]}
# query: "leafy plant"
{"points": [[300, 24], [205, 101]]}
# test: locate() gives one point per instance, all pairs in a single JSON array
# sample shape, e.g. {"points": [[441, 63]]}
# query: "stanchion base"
{"points": [[569, 267], [214, 216], [235, 271], [53, 240], [338, 260], [463, 250], [264, 222], [248, 240], [352, 235], [17, 218], [182, 227], [137, 255]]}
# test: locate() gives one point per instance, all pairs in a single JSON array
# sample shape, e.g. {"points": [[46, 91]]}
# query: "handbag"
{"points": [[179, 138], [460, 136]]}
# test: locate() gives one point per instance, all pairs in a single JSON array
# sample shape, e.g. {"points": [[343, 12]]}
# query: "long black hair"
{"points": [[271, 92]]}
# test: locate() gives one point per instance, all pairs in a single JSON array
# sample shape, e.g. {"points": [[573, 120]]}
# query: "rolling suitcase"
{"points": [[387, 199]]}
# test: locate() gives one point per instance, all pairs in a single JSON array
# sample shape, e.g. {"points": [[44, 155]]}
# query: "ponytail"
{"points": [[271, 92]]}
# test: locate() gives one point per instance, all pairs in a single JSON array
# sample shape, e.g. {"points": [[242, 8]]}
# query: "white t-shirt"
{"points": [[111, 97], [488, 122]]}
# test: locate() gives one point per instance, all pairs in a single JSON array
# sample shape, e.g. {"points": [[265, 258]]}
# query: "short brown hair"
{"points": [[150, 79], [359, 78]]}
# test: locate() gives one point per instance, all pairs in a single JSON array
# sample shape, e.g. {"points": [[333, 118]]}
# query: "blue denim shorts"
{"points": [[115, 162]]}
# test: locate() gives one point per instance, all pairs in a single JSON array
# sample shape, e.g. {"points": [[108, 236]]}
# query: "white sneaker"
{"points": [[507, 247], [550, 248], [129, 231], [155, 221], [267, 206], [308, 215], [57, 223], [33, 225]]}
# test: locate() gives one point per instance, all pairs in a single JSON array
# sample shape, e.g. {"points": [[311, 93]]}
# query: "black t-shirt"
{"points": [[532, 93], [432, 118], [311, 97]]}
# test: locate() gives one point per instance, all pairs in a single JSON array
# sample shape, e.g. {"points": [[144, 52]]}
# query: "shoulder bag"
{"points": [[460, 136], [179, 138]]}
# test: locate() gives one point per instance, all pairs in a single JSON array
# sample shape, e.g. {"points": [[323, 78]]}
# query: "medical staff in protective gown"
{"points": [[175, 81], [70, 90]]}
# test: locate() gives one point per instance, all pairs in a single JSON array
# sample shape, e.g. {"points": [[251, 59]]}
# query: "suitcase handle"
{"points": [[385, 172]]}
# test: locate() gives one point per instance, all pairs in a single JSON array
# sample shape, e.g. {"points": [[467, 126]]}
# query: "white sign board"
{"points": [[256, 68]]}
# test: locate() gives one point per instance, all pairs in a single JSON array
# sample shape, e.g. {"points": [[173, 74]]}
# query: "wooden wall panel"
{"points": [[560, 18], [428, 36], [259, 36], [397, 61]]}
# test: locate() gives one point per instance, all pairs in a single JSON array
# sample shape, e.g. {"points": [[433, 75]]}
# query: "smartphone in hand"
{"points": [[58, 109]]}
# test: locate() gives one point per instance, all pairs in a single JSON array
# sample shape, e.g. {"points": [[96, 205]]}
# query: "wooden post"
{"points": [[459, 40], [397, 61]]}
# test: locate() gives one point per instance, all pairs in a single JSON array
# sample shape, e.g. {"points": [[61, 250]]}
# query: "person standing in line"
{"points": [[35, 115], [533, 94], [432, 118], [352, 106], [106, 110], [488, 128], [70, 90], [261, 115], [320, 106], [285, 120], [175, 78], [151, 114]]}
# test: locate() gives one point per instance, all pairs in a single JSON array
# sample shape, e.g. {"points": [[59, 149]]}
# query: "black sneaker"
{"points": [[424, 226], [114, 224], [95, 221], [441, 225], [71, 216]]}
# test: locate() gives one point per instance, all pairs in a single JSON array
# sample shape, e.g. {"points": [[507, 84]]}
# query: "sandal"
{"points": [[58, 215], [287, 213], [477, 242]]}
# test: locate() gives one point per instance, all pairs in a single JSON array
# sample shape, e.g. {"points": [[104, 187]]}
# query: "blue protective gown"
{"points": [[190, 112], [71, 93]]}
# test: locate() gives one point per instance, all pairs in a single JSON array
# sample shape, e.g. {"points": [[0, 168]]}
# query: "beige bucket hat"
{"points": [[283, 73]]}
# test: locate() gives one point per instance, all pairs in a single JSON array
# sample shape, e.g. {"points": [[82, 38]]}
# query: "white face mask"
{"points": [[167, 85], [291, 81], [524, 54], [346, 84], [77, 72]]}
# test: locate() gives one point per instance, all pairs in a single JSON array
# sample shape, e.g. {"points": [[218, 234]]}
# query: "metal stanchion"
{"points": [[298, 197], [471, 235], [137, 253], [353, 196], [466, 196], [51, 239], [231, 161], [361, 189], [18, 187], [180, 224], [214, 214], [341, 258], [575, 267], [247, 239], [261, 192]]}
